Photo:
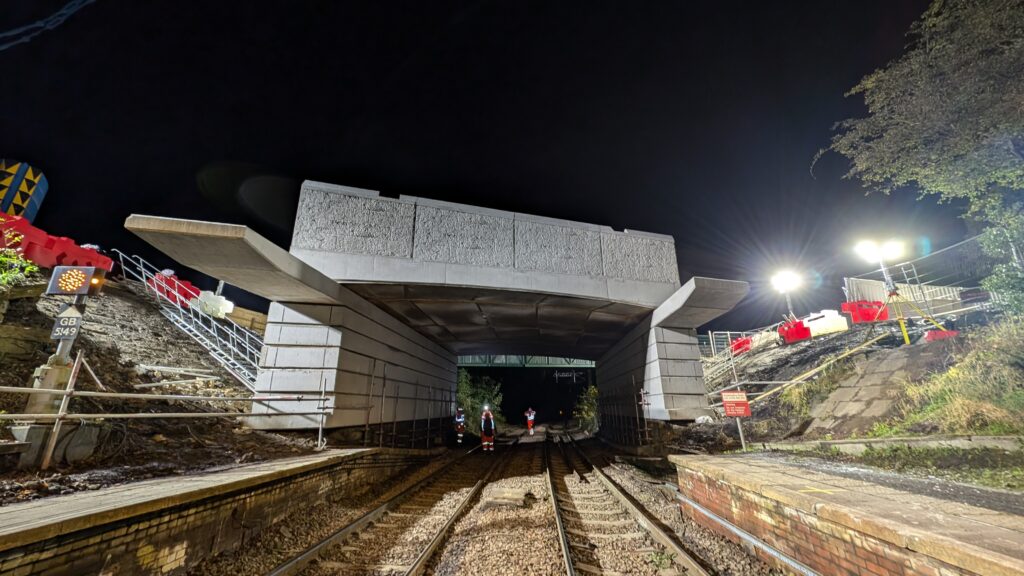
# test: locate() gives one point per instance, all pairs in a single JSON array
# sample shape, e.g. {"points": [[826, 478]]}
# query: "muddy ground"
{"points": [[122, 329]]}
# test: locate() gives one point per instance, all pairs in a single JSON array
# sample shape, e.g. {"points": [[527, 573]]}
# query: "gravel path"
{"points": [[512, 524]]}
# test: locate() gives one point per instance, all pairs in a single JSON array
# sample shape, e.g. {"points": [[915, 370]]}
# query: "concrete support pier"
{"points": [[374, 368]]}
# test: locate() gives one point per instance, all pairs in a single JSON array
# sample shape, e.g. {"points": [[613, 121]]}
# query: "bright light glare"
{"points": [[786, 281], [873, 252], [892, 249]]}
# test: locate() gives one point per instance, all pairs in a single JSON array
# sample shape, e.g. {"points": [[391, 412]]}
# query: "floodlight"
{"points": [[874, 252], [786, 281], [892, 249], [868, 250]]}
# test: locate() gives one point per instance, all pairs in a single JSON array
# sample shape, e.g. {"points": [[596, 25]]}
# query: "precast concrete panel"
{"points": [[373, 369]]}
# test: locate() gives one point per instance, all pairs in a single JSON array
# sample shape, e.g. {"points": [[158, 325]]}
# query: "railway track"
{"points": [[602, 529], [512, 523], [400, 535]]}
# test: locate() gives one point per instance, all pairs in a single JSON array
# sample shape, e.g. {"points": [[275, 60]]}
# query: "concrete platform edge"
{"points": [[949, 550], [13, 538]]}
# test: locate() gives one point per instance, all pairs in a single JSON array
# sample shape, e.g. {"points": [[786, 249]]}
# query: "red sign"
{"points": [[735, 404]]}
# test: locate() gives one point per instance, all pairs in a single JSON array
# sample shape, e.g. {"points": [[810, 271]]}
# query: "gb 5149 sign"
{"points": [[66, 325]]}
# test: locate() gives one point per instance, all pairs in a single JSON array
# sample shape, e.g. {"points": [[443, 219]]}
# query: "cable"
{"points": [[28, 32]]}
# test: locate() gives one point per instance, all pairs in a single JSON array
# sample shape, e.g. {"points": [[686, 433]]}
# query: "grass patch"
{"points": [[982, 466], [799, 399], [982, 393]]}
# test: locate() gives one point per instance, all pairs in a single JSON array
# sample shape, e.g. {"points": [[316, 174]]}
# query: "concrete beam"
{"points": [[698, 302], [238, 256]]}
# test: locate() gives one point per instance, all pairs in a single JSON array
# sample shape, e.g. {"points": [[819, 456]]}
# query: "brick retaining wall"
{"points": [[812, 527], [825, 547], [171, 540]]}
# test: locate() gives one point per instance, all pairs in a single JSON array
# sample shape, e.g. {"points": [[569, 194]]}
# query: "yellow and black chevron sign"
{"points": [[22, 188]]}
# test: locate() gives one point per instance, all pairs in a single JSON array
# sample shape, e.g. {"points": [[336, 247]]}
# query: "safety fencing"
{"points": [[234, 347], [70, 391]]}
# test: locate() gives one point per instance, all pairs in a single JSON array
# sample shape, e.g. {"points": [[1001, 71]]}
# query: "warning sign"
{"points": [[735, 404]]}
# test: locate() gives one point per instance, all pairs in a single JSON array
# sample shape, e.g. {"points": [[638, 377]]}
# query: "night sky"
{"points": [[695, 119]]}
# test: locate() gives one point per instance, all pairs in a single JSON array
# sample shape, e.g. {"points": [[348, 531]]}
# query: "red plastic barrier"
{"points": [[794, 331], [176, 290], [47, 251], [863, 311], [933, 335], [741, 345]]}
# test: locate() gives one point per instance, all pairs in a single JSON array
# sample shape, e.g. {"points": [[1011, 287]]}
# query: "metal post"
{"points": [[430, 403], [51, 442], [636, 412], [383, 391], [369, 401], [415, 407], [739, 426], [320, 442], [394, 415]]}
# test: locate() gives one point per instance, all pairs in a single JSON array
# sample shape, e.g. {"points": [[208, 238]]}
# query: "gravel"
{"points": [[597, 523], [393, 543], [310, 524], [512, 524], [718, 554]]}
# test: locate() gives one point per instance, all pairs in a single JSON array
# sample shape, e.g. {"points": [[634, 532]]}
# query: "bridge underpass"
{"points": [[378, 297]]}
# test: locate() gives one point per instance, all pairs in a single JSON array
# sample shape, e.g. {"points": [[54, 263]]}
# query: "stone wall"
{"points": [[170, 541], [372, 367], [387, 239]]}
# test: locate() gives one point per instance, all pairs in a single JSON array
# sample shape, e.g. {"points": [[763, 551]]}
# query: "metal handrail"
{"points": [[236, 347]]}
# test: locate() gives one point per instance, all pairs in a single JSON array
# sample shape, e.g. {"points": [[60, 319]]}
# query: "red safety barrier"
{"points": [[794, 331], [933, 335], [176, 290], [47, 251], [862, 311], [741, 345]]}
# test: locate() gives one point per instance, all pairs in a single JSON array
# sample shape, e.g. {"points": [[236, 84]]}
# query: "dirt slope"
{"points": [[122, 329]]}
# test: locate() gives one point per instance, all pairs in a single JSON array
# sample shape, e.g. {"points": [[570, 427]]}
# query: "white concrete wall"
{"points": [[666, 361], [373, 367], [356, 235]]}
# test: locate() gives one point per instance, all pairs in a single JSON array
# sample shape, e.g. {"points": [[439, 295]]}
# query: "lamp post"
{"points": [[874, 252], [786, 281], [889, 250]]}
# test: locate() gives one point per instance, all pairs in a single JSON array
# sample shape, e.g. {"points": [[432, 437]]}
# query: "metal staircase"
{"points": [[235, 347]]}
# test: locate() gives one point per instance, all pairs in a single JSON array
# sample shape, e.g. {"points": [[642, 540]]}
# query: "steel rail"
{"points": [[423, 559], [563, 538], [300, 562], [644, 518]]}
